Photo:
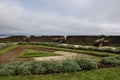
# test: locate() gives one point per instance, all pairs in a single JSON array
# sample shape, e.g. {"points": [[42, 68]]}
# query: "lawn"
{"points": [[101, 74], [29, 53]]}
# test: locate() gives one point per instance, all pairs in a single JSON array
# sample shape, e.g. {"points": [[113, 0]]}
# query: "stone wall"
{"points": [[81, 40]]}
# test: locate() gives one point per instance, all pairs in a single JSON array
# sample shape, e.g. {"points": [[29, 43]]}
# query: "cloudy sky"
{"points": [[60, 17]]}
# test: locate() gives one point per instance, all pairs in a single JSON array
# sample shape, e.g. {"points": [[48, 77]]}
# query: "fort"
{"points": [[71, 39]]}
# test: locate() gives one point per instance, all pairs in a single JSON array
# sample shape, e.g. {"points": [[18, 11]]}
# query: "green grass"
{"points": [[8, 49], [95, 53], [35, 53], [101, 74]]}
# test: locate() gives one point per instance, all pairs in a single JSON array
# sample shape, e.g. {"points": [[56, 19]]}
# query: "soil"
{"points": [[12, 54]]}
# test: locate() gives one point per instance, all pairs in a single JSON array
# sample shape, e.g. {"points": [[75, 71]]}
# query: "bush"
{"points": [[52, 66], [45, 67], [49, 44], [114, 61], [86, 64], [25, 69], [37, 67], [4, 73], [117, 57], [117, 51], [70, 46], [4, 46], [70, 66], [10, 68]]}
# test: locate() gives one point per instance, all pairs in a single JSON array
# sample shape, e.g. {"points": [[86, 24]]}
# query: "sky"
{"points": [[60, 17]]}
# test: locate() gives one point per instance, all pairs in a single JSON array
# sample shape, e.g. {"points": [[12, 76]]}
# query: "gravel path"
{"points": [[65, 55]]}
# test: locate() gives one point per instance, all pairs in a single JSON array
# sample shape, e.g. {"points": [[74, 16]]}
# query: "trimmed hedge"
{"points": [[114, 61], [11, 68], [70, 66], [3, 46], [38, 43], [44, 67], [86, 64], [70, 46]]}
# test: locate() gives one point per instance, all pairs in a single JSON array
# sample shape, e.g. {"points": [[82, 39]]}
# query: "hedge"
{"points": [[44, 67], [114, 61]]}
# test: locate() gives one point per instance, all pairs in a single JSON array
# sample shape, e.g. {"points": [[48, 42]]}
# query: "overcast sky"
{"points": [[60, 17]]}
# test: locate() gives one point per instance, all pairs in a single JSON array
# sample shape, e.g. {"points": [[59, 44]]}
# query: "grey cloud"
{"points": [[84, 17]]}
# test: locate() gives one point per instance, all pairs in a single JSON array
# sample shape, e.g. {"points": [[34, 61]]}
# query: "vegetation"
{"points": [[2, 46], [101, 54], [113, 61], [8, 48], [35, 53], [70, 66], [38, 43], [89, 48], [86, 64], [100, 49], [45, 67], [100, 74]]}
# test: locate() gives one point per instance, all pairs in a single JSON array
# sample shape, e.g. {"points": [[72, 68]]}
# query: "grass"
{"points": [[95, 53], [8, 49], [35, 53], [101, 74]]}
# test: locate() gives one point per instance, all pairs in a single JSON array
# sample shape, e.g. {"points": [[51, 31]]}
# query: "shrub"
{"points": [[2, 46], [52, 44], [25, 69], [110, 60], [117, 57], [49, 44], [37, 67], [117, 51], [51, 66], [70, 46], [70, 66], [11, 68], [3, 73], [86, 64]]}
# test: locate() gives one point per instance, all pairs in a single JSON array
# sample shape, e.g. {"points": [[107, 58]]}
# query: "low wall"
{"points": [[81, 40]]}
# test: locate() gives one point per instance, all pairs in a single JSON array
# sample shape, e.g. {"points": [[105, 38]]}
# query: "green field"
{"points": [[35, 53], [101, 74]]}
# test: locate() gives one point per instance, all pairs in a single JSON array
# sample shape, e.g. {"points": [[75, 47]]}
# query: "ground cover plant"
{"points": [[35, 53]]}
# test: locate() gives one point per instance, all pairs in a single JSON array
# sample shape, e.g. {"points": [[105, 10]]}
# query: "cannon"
{"points": [[99, 42], [59, 40]]}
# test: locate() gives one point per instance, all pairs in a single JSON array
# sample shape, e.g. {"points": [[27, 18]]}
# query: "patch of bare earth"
{"points": [[12, 54]]}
